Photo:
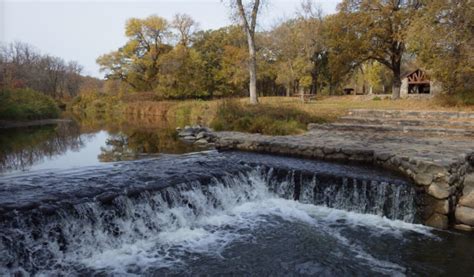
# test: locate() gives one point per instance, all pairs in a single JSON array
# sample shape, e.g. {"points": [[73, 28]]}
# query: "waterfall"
{"points": [[68, 239], [392, 200]]}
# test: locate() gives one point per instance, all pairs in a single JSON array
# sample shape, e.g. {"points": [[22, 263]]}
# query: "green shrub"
{"points": [[264, 119], [26, 104], [376, 98]]}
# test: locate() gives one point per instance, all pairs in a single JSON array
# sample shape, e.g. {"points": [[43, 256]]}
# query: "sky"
{"points": [[82, 30]]}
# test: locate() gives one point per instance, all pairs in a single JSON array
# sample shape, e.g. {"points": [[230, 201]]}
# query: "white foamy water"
{"points": [[174, 228], [212, 220]]}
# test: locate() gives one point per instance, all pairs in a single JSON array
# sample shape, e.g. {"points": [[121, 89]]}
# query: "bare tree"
{"points": [[185, 26], [23, 66], [310, 9], [249, 22]]}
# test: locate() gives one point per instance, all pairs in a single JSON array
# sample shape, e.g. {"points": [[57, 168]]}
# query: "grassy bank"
{"points": [[229, 115], [274, 115], [264, 118], [25, 104]]}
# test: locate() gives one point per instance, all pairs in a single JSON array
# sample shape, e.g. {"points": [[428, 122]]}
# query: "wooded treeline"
{"points": [[367, 42], [23, 66]]}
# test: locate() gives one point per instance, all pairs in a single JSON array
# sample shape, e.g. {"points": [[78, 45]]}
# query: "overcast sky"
{"points": [[82, 30]]}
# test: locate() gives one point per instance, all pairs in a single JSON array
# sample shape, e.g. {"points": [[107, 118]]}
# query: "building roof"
{"points": [[417, 76]]}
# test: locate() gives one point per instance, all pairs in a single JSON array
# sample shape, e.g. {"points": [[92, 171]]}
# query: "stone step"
{"points": [[458, 123], [407, 114], [391, 128]]}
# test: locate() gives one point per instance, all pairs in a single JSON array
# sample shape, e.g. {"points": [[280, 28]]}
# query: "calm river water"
{"points": [[244, 221], [85, 142]]}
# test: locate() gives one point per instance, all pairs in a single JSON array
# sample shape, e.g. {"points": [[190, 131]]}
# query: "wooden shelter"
{"points": [[418, 84]]}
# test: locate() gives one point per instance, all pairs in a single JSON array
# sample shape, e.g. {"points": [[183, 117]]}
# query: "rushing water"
{"points": [[213, 213]]}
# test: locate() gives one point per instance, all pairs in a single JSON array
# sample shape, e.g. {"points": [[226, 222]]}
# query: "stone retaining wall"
{"points": [[465, 207]]}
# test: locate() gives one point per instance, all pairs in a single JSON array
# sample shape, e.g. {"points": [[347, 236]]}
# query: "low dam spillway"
{"points": [[221, 213]]}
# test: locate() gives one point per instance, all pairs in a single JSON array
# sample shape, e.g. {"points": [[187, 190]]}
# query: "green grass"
{"points": [[25, 104], [263, 118]]}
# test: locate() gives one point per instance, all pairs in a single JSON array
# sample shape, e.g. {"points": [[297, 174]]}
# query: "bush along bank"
{"points": [[263, 118], [26, 104]]}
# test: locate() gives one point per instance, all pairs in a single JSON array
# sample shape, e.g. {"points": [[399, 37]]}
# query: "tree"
{"points": [[380, 29], [282, 43], [23, 66], [137, 62], [224, 54], [249, 23], [310, 25], [344, 50], [185, 26], [374, 75], [442, 37], [209, 44], [299, 52], [180, 74], [174, 61]]}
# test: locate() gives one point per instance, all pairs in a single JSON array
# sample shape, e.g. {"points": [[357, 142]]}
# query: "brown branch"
{"points": [[256, 5], [243, 16]]}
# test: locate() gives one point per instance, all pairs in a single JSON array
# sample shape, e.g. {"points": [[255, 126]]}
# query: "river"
{"points": [[109, 199]]}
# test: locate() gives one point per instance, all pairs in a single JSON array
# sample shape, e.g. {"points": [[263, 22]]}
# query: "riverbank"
{"points": [[273, 116], [7, 124]]}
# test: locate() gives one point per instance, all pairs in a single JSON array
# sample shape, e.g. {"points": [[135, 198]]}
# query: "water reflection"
{"points": [[20, 148], [87, 141], [131, 144]]}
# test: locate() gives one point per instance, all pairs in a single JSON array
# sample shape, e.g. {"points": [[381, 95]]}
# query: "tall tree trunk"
{"points": [[331, 89], [252, 69], [249, 28], [314, 82], [396, 89], [397, 83], [396, 60]]}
